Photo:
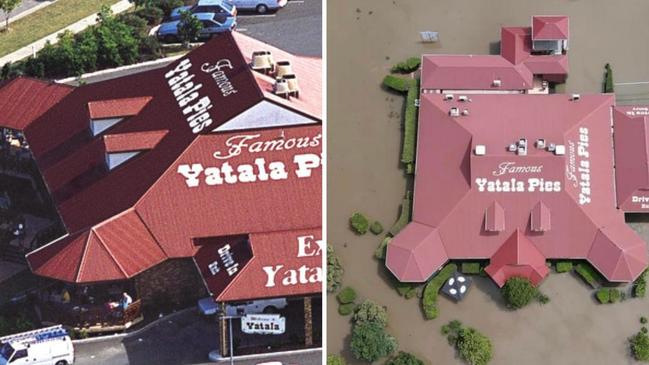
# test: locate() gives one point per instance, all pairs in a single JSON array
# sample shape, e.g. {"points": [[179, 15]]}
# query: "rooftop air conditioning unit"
{"points": [[544, 84], [281, 88], [522, 142], [262, 61], [448, 97], [560, 150], [465, 112], [540, 143], [480, 150], [496, 83], [293, 87], [512, 147], [552, 147], [454, 112], [522, 151], [575, 97], [463, 98]]}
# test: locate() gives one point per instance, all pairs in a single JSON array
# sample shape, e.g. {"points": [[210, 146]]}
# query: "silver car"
{"points": [[260, 6]]}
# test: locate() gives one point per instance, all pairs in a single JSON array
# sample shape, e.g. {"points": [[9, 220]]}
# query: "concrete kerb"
{"points": [[136, 332], [267, 354], [27, 12]]}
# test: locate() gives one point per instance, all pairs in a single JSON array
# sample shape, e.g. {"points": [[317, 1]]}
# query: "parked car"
{"points": [[168, 32], [221, 8], [260, 6], [256, 307], [47, 346]]}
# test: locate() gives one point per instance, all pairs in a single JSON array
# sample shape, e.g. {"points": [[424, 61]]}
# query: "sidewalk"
{"points": [[77, 27], [26, 12]]}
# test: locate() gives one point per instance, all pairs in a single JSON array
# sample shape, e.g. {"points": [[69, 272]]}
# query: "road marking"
{"points": [[295, 2], [241, 30], [257, 16]]}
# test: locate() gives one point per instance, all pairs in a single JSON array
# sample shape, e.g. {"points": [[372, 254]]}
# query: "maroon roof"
{"points": [[550, 198], [119, 219], [517, 256], [631, 125], [550, 27], [23, 100]]}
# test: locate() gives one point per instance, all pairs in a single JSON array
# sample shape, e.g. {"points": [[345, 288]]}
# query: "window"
{"points": [[115, 159], [20, 354], [207, 23]]}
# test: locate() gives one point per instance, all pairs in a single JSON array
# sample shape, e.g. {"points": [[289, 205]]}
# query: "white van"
{"points": [[45, 346], [256, 307]]}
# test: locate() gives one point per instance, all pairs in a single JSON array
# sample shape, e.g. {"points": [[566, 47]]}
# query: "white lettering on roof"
{"points": [[186, 93], [244, 142], [510, 167], [514, 185], [308, 246], [219, 76], [578, 167]]}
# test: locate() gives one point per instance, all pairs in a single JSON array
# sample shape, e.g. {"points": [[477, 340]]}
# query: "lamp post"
{"points": [[230, 318]]}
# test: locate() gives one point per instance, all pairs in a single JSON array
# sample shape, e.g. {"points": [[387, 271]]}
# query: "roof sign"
{"points": [[220, 259]]}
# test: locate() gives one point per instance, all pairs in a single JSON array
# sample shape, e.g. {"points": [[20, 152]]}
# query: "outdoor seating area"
{"points": [[96, 309]]}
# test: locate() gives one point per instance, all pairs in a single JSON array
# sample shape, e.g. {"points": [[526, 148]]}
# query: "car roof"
{"points": [[204, 16], [209, 2]]}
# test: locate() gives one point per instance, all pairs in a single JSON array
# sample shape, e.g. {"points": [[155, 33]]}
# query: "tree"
{"points": [[370, 312], [404, 358], [189, 28], [334, 270], [519, 292], [116, 45], [7, 6], [370, 342], [474, 347], [640, 346], [141, 3], [359, 223]]}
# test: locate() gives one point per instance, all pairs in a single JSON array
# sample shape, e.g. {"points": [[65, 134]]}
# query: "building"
{"points": [[508, 172], [204, 159]]}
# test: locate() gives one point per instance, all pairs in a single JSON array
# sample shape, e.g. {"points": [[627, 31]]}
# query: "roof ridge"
{"points": [[110, 253]]}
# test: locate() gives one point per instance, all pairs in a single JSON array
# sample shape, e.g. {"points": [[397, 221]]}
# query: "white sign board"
{"points": [[263, 324]]}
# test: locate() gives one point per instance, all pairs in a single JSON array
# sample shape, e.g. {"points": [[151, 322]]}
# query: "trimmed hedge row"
{"points": [[564, 266], [396, 83], [404, 216], [590, 276], [470, 268], [429, 300], [407, 66], [410, 127], [640, 286], [608, 295], [379, 253]]}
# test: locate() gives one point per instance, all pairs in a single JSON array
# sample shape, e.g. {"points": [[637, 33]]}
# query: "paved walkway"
{"points": [[77, 27], [27, 7]]}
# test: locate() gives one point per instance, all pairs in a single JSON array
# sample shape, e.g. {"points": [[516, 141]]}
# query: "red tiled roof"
{"points": [[550, 27], [631, 124], [415, 253], [135, 141], [23, 100], [517, 256], [515, 46], [276, 267], [126, 107]]}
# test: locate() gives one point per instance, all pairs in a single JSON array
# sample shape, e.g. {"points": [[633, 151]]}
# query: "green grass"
{"points": [[563, 266], [472, 268], [46, 21]]}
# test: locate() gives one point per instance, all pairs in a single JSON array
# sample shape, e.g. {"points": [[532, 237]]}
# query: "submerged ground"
{"points": [[364, 39]]}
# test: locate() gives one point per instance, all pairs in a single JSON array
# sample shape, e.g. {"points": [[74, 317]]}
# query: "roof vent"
{"points": [[551, 147], [283, 68], [540, 143], [448, 97], [287, 86], [465, 112], [496, 83], [262, 61], [575, 97], [480, 150], [463, 98], [512, 147], [522, 147], [560, 150], [454, 112]]}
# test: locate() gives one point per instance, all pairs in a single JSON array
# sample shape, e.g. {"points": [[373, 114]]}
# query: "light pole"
{"points": [[230, 318]]}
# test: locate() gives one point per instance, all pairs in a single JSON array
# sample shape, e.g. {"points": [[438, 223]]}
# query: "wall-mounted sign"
{"points": [[263, 324]]}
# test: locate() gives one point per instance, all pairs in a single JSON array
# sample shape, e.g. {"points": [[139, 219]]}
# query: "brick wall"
{"points": [[173, 284]]}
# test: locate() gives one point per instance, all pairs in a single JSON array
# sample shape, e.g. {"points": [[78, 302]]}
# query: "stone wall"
{"points": [[173, 284]]}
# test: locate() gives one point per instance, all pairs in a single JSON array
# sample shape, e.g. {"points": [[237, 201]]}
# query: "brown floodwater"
{"points": [[364, 39]]}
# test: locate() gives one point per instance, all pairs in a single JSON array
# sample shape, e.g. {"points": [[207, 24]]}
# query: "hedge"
{"points": [[410, 125], [396, 83], [640, 286], [429, 300], [359, 223], [590, 276], [564, 266], [407, 66], [404, 216], [608, 79], [470, 268], [407, 290], [608, 295], [379, 253], [376, 228], [346, 309], [347, 295]]}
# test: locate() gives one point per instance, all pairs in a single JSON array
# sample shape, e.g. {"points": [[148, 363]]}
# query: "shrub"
{"points": [[139, 27], [564, 266], [518, 292], [359, 223], [407, 66], [379, 253], [429, 300], [588, 274], [334, 270], [640, 346], [347, 295], [167, 5], [346, 309], [151, 14], [410, 125], [370, 342], [543, 299], [404, 358], [608, 79], [640, 286], [376, 228], [615, 295], [603, 295], [643, 320], [400, 84], [368, 311], [189, 28], [404, 215], [470, 268], [335, 360]]}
